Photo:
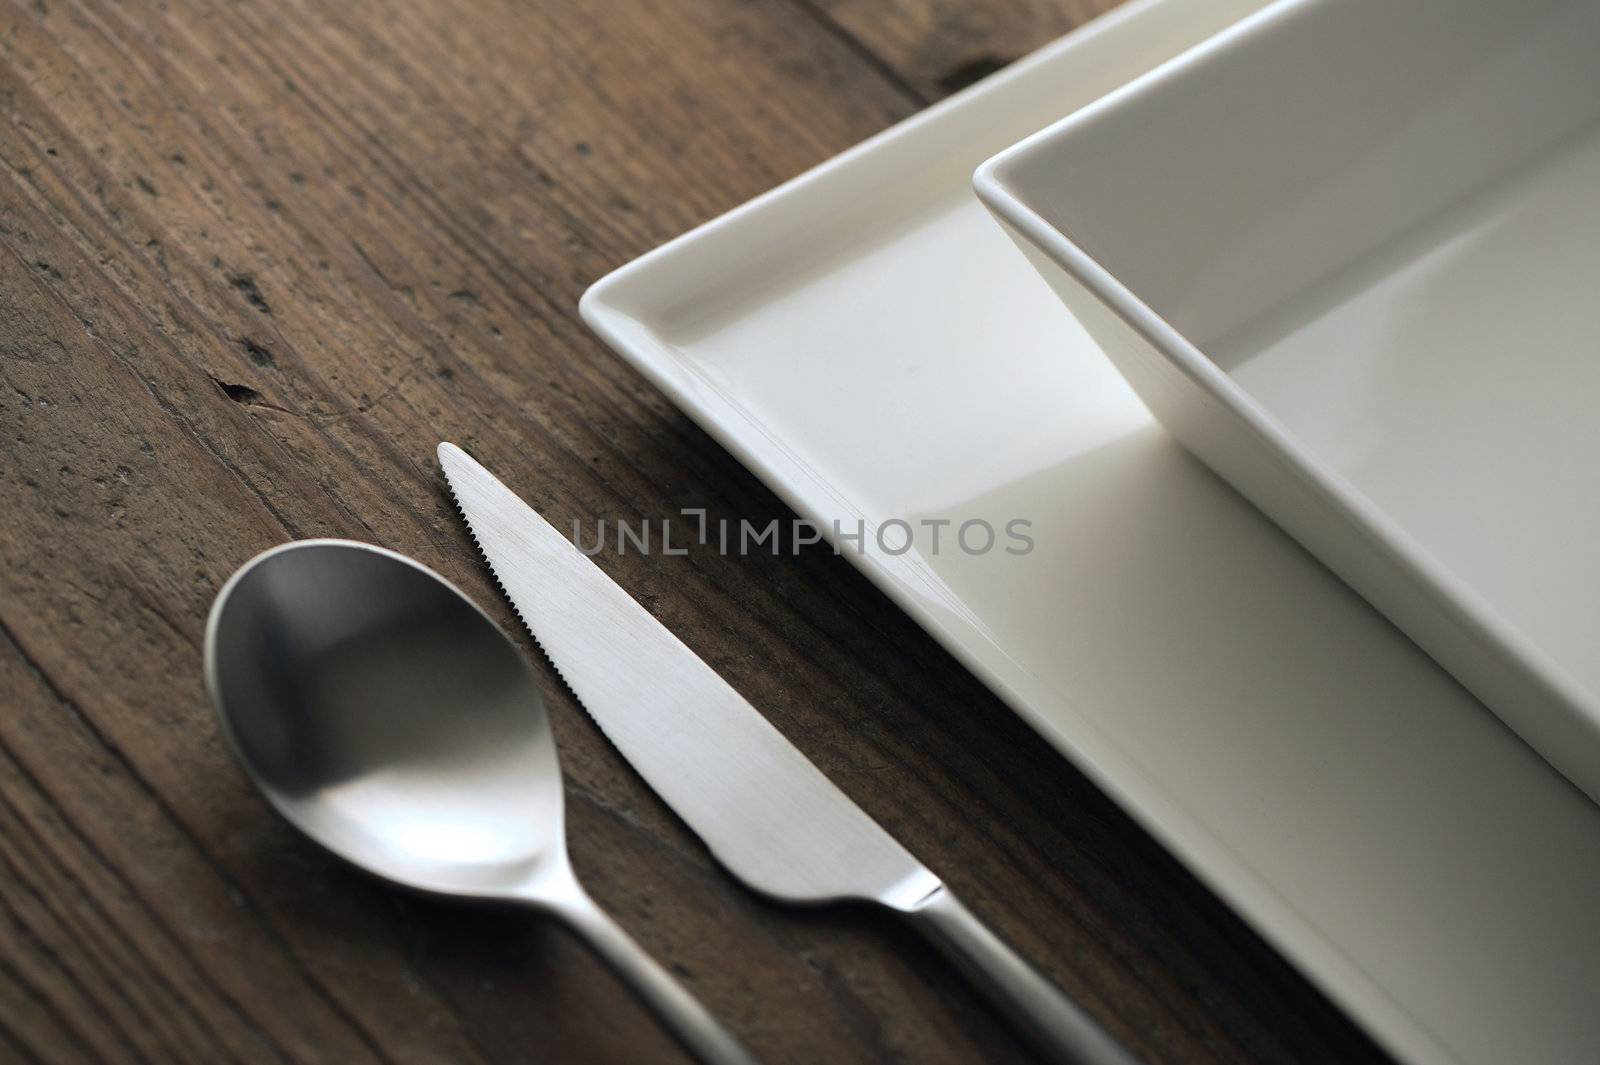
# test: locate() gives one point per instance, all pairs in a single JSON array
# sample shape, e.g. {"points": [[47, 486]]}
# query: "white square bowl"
{"points": [[1348, 251]]}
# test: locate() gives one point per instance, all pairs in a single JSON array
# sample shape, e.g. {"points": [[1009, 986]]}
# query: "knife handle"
{"points": [[701, 1034], [1057, 1026]]}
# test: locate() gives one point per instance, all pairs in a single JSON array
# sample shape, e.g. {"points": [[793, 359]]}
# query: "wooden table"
{"points": [[257, 259]]}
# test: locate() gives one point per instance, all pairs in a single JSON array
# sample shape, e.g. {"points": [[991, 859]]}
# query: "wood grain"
{"points": [[256, 259], [933, 47]]}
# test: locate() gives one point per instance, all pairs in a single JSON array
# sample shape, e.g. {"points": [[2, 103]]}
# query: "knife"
{"points": [[765, 811]]}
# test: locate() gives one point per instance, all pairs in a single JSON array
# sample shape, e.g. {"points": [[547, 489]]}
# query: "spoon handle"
{"points": [[689, 1022]]}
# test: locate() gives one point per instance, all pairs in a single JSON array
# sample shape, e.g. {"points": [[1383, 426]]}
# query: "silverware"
{"points": [[389, 719], [769, 815]]}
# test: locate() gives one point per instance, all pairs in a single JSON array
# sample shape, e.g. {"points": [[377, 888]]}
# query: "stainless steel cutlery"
{"points": [[389, 719]]}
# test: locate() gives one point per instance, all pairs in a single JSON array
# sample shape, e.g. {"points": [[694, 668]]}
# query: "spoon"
{"points": [[392, 721]]}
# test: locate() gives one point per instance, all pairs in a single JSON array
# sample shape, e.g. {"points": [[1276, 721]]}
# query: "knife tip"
{"points": [[452, 459]]}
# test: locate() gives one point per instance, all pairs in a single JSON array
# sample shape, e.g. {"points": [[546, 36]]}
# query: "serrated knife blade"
{"points": [[764, 810]]}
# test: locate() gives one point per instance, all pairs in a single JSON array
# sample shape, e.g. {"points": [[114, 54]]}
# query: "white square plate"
{"points": [[1348, 252], [867, 341]]}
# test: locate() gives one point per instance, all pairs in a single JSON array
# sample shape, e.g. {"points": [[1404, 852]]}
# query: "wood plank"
{"points": [[935, 47], [256, 259]]}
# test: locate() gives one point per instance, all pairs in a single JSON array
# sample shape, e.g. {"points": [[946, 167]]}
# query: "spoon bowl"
{"points": [[387, 717], [393, 722]]}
